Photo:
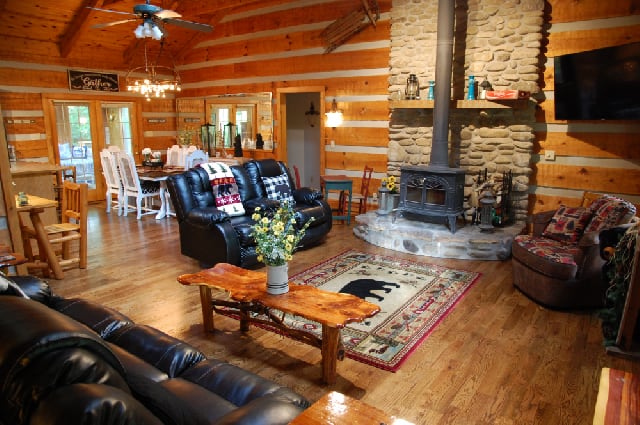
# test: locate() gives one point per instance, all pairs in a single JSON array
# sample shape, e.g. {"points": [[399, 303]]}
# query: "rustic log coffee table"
{"points": [[249, 300]]}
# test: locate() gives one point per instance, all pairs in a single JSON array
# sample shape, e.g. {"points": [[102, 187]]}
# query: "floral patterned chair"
{"points": [[559, 264]]}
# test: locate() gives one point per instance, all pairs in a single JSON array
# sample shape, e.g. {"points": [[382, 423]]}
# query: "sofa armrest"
{"points": [[206, 217], [307, 195], [539, 221]]}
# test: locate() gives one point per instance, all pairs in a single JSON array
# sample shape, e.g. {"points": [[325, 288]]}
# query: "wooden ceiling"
{"points": [[61, 32]]}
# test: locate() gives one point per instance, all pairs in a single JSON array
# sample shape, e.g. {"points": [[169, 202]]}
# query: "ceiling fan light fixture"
{"points": [[148, 29]]}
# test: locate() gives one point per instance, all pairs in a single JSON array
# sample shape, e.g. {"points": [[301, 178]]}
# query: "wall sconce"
{"points": [[334, 116], [312, 115]]}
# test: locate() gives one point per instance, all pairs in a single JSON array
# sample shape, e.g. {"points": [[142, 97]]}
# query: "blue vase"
{"points": [[471, 95], [430, 92]]}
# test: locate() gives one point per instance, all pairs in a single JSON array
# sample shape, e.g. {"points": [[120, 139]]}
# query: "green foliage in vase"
{"points": [[276, 234]]}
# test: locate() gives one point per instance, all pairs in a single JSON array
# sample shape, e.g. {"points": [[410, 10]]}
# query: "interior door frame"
{"points": [[281, 123], [97, 135]]}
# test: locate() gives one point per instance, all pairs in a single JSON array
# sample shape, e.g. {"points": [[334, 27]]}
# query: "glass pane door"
{"points": [[117, 126], [75, 144]]}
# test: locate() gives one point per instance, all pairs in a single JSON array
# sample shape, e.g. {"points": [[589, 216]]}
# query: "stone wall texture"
{"points": [[494, 40]]}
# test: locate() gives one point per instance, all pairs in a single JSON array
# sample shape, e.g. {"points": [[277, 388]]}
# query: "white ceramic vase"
{"points": [[278, 279]]}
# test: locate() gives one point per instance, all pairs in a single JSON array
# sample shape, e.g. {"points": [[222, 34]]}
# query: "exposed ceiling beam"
{"points": [[77, 27]]}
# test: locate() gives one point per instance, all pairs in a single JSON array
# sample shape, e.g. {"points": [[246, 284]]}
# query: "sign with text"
{"points": [[94, 81]]}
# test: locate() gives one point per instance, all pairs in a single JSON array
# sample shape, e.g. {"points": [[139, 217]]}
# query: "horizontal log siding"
{"points": [[284, 49], [599, 156]]}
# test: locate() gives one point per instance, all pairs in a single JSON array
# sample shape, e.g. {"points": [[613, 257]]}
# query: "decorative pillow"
{"points": [[224, 187], [277, 188], [567, 224], [609, 211]]}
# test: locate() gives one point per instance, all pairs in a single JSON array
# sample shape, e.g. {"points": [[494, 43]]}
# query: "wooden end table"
{"points": [[339, 409], [248, 295]]}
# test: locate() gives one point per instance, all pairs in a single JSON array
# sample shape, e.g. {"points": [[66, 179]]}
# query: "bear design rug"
{"points": [[414, 298]]}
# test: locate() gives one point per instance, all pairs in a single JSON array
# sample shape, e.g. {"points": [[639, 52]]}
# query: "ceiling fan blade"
{"points": [[189, 25], [166, 14], [110, 24], [110, 11]]}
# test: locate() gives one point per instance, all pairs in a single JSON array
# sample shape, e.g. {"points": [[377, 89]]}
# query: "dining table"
{"points": [[35, 207], [161, 175]]}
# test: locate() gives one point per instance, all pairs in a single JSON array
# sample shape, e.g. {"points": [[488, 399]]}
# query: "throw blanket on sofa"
{"points": [[224, 187]]}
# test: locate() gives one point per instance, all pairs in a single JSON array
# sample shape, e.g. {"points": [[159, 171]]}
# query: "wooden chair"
{"points": [[363, 196], [133, 188], [297, 174], [72, 227]]}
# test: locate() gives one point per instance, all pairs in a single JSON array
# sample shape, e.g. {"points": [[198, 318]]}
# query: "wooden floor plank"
{"points": [[498, 358]]}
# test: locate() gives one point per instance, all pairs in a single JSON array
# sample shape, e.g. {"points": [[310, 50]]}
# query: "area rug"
{"points": [[414, 297]]}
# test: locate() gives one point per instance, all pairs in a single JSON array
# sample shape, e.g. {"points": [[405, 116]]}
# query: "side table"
{"points": [[339, 409]]}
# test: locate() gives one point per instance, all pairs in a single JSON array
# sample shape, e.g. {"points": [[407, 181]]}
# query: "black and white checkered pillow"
{"points": [[278, 188]]}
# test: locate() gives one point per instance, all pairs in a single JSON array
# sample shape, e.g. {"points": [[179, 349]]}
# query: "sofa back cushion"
{"points": [[163, 351], [246, 187], [609, 211], [568, 224]]}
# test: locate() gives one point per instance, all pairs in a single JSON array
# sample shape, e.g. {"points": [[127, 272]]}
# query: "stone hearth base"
{"points": [[435, 240]]}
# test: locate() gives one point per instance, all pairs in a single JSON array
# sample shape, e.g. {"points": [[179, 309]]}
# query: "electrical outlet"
{"points": [[549, 155]]}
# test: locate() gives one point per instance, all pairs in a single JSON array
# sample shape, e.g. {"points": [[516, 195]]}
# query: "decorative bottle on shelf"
{"points": [[430, 92], [471, 94]]}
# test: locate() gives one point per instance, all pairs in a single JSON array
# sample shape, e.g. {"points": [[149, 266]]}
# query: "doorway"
{"points": [[303, 134]]}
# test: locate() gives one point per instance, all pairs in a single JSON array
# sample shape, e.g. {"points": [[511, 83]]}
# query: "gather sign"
{"points": [[94, 81]]}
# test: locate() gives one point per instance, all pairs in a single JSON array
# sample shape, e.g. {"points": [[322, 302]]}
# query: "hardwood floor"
{"points": [[498, 358]]}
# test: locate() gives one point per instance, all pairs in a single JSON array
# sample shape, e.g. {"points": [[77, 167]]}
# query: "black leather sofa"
{"points": [[211, 236], [71, 361]]}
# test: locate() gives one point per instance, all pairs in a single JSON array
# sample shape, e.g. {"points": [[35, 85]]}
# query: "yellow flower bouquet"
{"points": [[390, 183], [276, 234]]}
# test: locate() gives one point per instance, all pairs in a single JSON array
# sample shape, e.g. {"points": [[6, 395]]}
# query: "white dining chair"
{"points": [[112, 180], [132, 188], [195, 158], [174, 156]]}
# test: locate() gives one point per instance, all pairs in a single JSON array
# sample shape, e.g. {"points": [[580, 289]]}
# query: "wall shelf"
{"points": [[460, 104]]}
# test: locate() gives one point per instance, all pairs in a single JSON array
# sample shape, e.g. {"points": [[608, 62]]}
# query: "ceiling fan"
{"points": [[153, 17]]}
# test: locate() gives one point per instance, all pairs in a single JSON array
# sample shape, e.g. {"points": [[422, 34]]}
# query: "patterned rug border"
{"points": [[416, 339]]}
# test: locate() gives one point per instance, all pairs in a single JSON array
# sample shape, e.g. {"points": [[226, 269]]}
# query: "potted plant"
{"points": [[276, 238]]}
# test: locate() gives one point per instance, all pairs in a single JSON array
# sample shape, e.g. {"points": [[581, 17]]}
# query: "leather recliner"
{"points": [[210, 235]]}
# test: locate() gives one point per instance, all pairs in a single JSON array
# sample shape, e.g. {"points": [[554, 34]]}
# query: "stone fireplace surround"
{"points": [[494, 40]]}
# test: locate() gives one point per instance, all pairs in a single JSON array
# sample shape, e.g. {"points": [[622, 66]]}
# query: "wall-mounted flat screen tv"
{"points": [[602, 84]]}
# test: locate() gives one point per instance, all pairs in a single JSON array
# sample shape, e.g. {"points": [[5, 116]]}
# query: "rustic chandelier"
{"points": [[153, 84]]}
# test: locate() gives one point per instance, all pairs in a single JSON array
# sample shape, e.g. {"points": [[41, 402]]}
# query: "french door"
{"points": [[83, 129]]}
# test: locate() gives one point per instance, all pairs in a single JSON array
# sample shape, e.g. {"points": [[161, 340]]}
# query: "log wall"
{"points": [[278, 46], [599, 156]]}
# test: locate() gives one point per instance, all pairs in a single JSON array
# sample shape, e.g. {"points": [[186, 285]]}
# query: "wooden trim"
{"points": [[13, 221]]}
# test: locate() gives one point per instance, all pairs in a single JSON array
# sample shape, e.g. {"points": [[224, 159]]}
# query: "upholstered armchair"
{"points": [[559, 264]]}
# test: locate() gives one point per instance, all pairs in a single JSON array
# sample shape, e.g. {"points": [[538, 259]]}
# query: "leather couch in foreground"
{"points": [[210, 235], [71, 361]]}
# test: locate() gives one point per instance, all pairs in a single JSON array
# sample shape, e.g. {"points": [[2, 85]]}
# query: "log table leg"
{"points": [[207, 308], [330, 345]]}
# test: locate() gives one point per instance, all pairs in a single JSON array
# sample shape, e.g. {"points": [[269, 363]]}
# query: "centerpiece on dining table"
{"points": [[277, 238]]}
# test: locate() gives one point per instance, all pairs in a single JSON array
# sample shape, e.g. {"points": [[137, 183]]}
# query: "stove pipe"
{"points": [[444, 54]]}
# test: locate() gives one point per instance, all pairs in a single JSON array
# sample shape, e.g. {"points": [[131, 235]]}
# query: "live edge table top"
{"points": [[328, 308]]}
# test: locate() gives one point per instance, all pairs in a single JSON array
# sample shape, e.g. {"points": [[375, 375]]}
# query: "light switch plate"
{"points": [[549, 155]]}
